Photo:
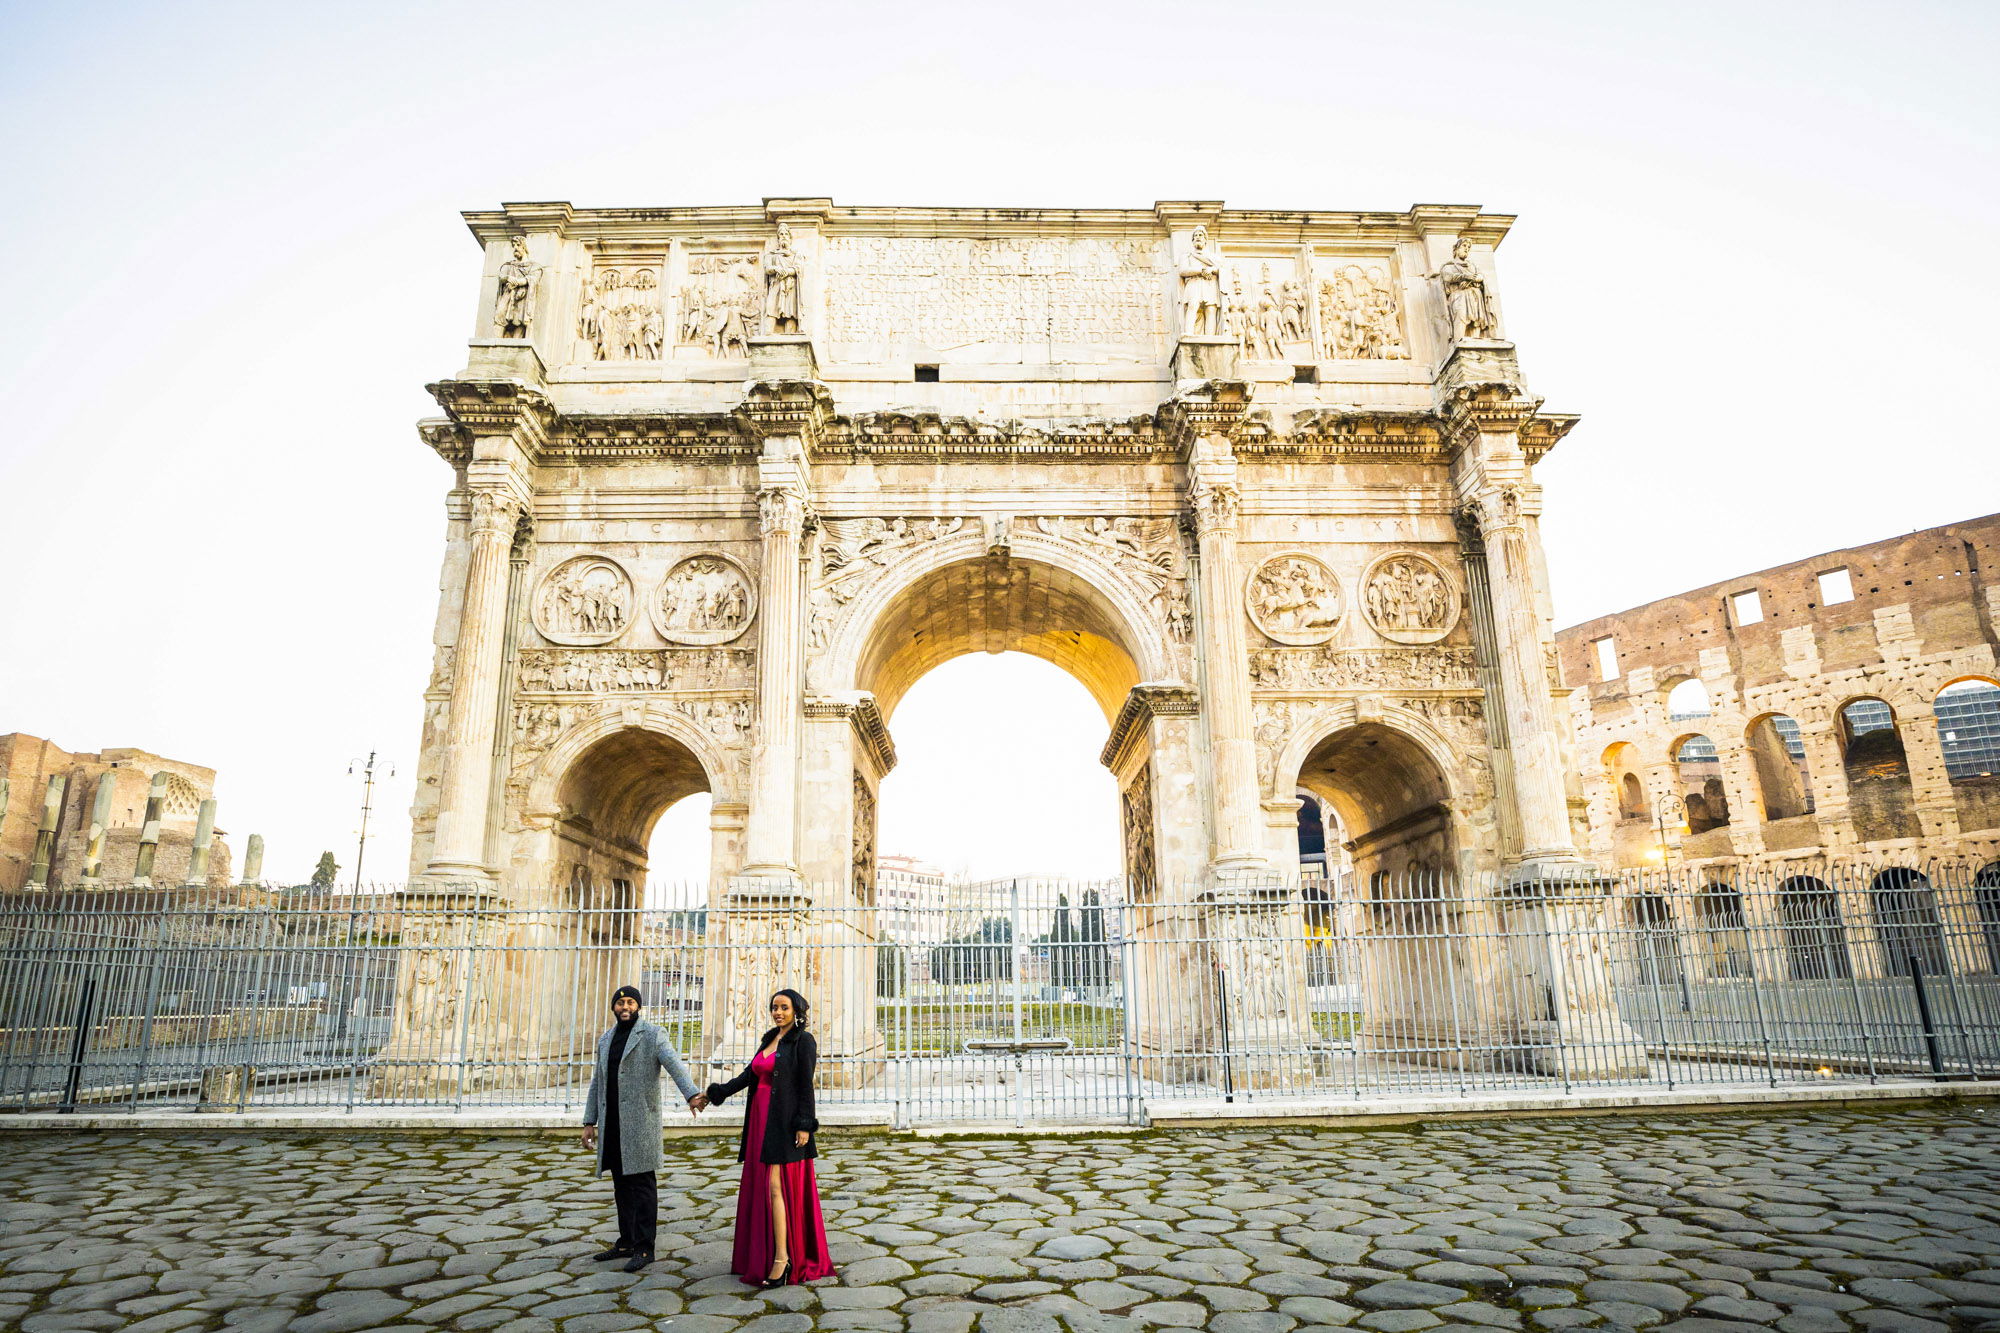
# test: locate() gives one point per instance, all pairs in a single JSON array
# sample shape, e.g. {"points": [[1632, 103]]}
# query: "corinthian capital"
{"points": [[495, 511], [781, 510], [1215, 503]]}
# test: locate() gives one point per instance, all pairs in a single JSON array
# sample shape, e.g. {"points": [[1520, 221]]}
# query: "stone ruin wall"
{"points": [[1923, 616]]}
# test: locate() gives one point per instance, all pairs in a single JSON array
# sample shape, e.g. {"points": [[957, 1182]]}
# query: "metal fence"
{"points": [[1019, 1001]]}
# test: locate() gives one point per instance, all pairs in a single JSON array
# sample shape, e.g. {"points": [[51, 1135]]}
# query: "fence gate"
{"points": [[1004, 1003]]}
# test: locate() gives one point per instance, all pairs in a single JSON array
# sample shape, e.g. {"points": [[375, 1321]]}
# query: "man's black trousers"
{"points": [[638, 1210]]}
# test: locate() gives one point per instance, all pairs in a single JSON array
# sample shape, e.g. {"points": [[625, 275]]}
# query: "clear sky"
{"points": [[1756, 252]]}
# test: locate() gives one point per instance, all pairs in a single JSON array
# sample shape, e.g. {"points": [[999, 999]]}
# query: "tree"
{"points": [[1096, 969], [324, 872], [979, 955], [892, 972]]}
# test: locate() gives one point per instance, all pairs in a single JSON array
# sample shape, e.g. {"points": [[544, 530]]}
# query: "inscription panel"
{"points": [[1062, 298]]}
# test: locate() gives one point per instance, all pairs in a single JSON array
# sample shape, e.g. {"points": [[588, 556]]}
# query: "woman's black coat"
{"points": [[791, 1107]]}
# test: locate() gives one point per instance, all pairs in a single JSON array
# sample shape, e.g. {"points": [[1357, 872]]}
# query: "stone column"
{"points": [[1237, 821], [204, 839], [149, 833], [1523, 649], [459, 850], [772, 836], [100, 821], [253, 859], [45, 833]]}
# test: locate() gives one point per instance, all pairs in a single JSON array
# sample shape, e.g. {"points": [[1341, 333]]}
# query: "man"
{"points": [[625, 1095]]}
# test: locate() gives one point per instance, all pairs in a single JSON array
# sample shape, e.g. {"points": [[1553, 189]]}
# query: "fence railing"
{"points": [[1023, 1000]]}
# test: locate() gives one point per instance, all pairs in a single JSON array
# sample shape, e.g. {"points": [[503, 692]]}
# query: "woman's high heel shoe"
{"points": [[783, 1279]]}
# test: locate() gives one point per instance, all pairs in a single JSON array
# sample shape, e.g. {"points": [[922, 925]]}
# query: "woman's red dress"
{"points": [[805, 1229]]}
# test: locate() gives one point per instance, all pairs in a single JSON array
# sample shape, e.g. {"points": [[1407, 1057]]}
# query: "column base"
{"points": [[1611, 1049], [1206, 357], [782, 356]]}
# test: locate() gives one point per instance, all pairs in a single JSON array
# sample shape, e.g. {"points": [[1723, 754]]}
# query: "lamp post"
{"points": [[367, 769]]}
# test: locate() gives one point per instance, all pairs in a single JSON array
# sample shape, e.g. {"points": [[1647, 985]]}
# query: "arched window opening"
{"points": [[1778, 756], [678, 853], [1907, 925], [1968, 723], [1700, 775], [1878, 772], [1621, 762], [1815, 944], [1986, 900], [1631, 798], [1656, 944], [1724, 931], [1312, 837], [1688, 699]]}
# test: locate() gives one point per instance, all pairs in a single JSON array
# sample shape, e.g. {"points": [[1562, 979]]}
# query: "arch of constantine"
{"points": [[727, 481]]}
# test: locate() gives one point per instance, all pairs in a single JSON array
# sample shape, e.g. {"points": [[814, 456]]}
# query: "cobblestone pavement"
{"points": [[1811, 1221]]}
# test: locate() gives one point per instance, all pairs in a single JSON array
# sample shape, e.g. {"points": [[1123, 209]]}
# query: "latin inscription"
{"points": [[950, 292]]}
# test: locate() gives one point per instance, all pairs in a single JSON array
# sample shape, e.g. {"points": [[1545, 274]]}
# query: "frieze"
{"points": [[1326, 668], [1267, 311], [619, 670]]}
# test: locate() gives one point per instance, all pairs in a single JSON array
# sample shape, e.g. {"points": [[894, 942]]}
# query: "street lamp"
{"points": [[367, 769]]}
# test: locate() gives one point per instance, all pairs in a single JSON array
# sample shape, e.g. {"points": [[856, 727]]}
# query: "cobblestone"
{"points": [[1835, 1221]]}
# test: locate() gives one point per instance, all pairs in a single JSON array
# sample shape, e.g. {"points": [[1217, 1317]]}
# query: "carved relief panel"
{"points": [[587, 599], [1360, 313], [864, 840], [622, 315], [620, 670], [1141, 874], [1294, 598], [1329, 668], [721, 303], [705, 599], [1269, 309], [1408, 598]]}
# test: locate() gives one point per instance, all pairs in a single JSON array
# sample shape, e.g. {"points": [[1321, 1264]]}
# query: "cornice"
{"points": [[690, 437], [1142, 704], [796, 409], [860, 711], [1350, 434], [1540, 432], [1231, 225], [1489, 408], [497, 407], [452, 441], [1206, 410]]}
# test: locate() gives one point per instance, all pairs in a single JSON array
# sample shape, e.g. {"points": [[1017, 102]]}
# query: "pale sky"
{"points": [[1756, 252]]}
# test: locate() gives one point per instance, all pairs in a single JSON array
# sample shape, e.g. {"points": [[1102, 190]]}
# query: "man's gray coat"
{"points": [[647, 1052]]}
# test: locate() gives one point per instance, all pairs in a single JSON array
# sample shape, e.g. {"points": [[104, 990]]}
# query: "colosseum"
{"points": [[1841, 708]]}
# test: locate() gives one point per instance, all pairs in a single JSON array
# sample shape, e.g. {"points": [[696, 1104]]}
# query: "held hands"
{"points": [[698, 1103], [799, 1138], [590, 1137]]}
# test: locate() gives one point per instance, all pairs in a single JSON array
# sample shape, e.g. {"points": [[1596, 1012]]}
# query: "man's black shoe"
{"points": [[638, 1261], [615, 1252]]}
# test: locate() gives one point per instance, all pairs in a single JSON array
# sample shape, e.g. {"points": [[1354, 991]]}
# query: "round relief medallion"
{"points": [[585, 600], [704, 599], [1294, 598], [1408, 598]]}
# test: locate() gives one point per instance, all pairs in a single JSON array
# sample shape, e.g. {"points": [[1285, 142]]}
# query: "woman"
{"points": [[780, 1236]]}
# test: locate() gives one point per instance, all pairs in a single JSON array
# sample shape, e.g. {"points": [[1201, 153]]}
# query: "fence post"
{"points": [[1222, 1007], [1924, 1015], [152, 1005], [73, 1086], [1134, 1100]]}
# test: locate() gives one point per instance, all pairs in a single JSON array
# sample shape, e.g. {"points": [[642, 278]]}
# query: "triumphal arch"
{"points": [[728, 480]]}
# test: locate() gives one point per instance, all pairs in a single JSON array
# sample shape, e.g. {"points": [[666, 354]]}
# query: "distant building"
{"points": [[114, 783], [1845, 704]]}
